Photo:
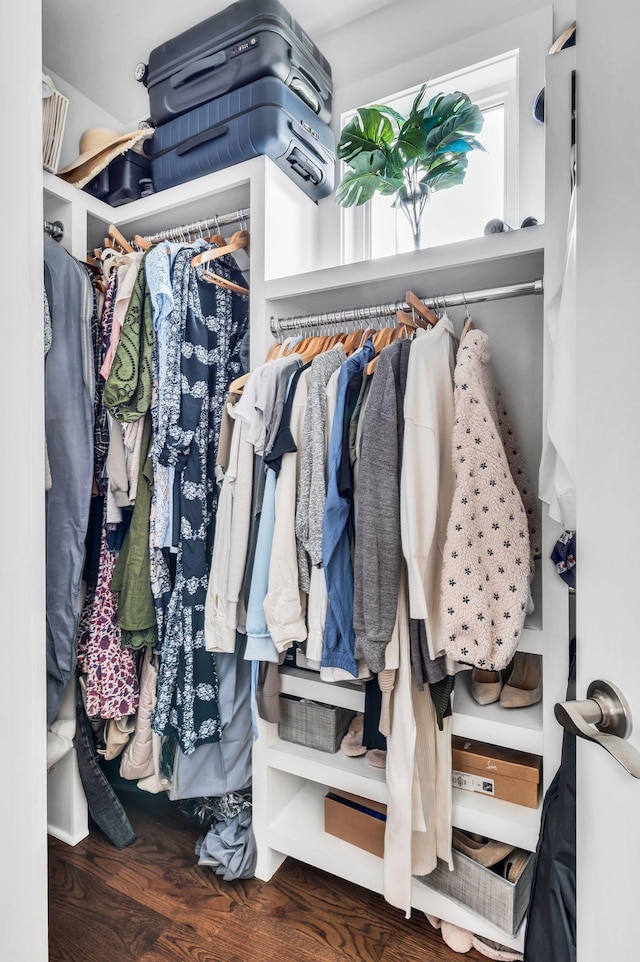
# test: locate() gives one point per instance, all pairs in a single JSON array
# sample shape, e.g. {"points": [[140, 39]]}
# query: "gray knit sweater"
{"points": [[377, 559], [312, 485]]}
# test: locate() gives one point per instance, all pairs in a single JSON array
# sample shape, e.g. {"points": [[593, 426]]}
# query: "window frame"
{"points": [[356, 222]]}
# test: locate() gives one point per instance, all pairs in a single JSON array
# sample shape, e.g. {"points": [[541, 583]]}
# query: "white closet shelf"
{"points": [[473, 812], [298, 831], [307, 684], [450, 268], [516, 728], [337, 770], [496, 818], [520, 728]]}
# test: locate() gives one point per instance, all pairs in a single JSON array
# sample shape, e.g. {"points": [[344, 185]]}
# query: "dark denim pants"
{"points": [[105, 807]]}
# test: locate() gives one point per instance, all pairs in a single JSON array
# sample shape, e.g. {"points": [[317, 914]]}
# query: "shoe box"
{"points": [[359, 821], [497, 772]]}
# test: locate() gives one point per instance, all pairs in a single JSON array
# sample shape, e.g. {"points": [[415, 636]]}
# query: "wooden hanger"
{"points": [[424, 312], [142, 242], [212, 278], [239, 241], [114, 233], [216, 239]]}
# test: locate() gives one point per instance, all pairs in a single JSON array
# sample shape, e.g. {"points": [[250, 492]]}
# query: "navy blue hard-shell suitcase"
{"points": [[264, 117], [247, 40]]}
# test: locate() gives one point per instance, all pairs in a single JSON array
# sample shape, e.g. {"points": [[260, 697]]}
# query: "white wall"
{"points": [[23, 764], [411, 28]]}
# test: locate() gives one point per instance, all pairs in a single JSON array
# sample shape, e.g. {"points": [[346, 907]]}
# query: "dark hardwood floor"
{"points": [[152, 903]]}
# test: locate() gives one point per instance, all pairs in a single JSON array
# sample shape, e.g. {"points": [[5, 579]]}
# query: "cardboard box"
{"points": [[499, 772], [359, 821], [485, 892]]}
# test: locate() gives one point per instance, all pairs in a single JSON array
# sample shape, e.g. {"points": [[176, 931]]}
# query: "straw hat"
{"points": [[98, 147]]}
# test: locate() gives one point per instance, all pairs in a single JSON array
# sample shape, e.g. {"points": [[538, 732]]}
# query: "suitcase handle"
{"points": [[304, 167], [304, 65], [197, 67], [309, 139], [212, 133]]}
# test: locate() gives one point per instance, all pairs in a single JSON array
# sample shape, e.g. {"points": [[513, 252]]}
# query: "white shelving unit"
{"points": [[282, 221], [290, 781]]}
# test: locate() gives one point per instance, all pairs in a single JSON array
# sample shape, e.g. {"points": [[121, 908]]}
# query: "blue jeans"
{"points": [[105, 807]]}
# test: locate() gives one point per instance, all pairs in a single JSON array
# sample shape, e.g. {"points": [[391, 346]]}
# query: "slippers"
{"points": [[351, 744], [494, 950], [376, 758]]}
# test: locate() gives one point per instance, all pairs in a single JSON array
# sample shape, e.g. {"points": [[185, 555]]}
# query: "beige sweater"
{"points": [[487, 561]]}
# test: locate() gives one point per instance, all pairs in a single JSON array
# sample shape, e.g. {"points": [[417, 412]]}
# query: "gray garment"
{"points": [[229, 847], [217, 768], [377, 562], [69, 435], [312, 483], [426, 670], [275, 398], [257, 497]]}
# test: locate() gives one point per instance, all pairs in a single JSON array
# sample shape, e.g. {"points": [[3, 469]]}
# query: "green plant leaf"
{"points": [[415, 107], [369, 130], [459, 145], [410, 144], [389, 112], [449, 174], [366, 176]]}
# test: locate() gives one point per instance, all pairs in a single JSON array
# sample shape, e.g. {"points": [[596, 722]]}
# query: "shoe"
{"points": [[377, 758], [484, 851], [486, 685], [351, 744], [495, 950], [525, 682], [514, 864]]}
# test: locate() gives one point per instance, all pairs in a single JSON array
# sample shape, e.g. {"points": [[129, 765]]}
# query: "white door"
{"points": [[608, 396], [23, 825]]}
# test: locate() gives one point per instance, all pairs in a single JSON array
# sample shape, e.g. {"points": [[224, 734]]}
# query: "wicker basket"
{"points": [[313, 724], [484, 892]]}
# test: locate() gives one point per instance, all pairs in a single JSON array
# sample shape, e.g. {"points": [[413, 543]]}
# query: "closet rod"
{"points": [[55, 228], [199, 226], [282, 325]]}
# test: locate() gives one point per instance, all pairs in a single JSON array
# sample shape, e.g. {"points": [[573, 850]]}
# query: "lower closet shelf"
{"points": [[337, 770], [298, 831]]}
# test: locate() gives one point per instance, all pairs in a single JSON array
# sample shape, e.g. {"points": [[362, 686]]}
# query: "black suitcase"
{"points": [[248, 40], [264, 117], [126, 178]]}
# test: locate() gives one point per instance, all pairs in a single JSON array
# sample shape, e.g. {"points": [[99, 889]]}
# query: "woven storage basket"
{"points": [[486, 893], [313, 724]]}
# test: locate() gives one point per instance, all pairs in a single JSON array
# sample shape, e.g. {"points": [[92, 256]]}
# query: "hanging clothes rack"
{"points": [[200, 226], [284, 325], [55, 228]]}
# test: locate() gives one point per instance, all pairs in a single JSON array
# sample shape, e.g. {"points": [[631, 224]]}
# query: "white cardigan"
{"points": [[426, 484]]}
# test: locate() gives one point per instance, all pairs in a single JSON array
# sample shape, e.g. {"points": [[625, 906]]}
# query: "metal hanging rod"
{"points": [[283, 325], [55, 228], [199, 226]]}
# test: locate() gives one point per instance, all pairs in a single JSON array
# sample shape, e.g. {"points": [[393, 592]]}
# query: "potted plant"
{"points": [[410, 157]]}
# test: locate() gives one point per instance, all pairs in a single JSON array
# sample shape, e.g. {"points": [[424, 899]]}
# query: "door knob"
{"points": [[604, 717]]}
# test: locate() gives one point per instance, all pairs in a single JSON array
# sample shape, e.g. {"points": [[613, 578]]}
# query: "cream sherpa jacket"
{"points": [[487, 560]]}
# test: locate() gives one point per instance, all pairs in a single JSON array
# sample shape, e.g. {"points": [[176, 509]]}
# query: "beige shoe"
{"points": [[525, 682], [485, 852], [485, 685], [514, 864]]}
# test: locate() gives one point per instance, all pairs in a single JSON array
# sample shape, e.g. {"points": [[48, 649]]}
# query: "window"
{"points": [[377, 229]]}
